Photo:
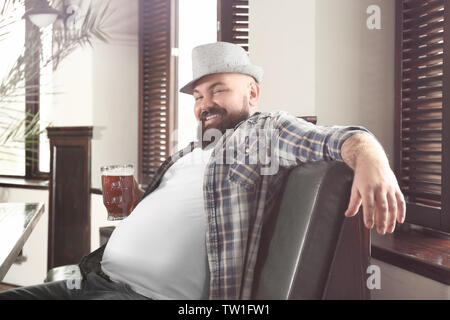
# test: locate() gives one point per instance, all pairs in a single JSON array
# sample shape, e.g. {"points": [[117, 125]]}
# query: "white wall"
{"points": [[400, 284], [115, 86], [282, 41], [115, 109], [72, 85], [355, 67]]}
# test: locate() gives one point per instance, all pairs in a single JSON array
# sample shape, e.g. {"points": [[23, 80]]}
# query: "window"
{"points": [[12, 101], [166, 120], [27, 158], [45, 100], [192, 32], [422, 111]]}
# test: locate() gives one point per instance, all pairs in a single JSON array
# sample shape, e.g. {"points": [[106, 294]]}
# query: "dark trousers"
{"points": [[92, 287]]}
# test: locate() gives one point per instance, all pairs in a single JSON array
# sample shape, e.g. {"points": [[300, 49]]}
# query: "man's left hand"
{"points": [[374, 185]]}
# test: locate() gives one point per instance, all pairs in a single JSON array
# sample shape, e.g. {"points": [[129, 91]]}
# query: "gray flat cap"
{"points": [[220, 57]]}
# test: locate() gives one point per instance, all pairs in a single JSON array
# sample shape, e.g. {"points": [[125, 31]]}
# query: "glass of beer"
{"points": [[118, 190]]}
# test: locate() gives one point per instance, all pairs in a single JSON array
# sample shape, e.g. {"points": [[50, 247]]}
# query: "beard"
{"points": [[227, 121]]}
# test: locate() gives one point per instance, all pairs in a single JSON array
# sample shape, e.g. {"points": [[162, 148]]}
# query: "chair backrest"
{"points": [[305, 245]]}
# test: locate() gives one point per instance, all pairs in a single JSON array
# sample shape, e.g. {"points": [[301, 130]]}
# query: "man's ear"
{"points": [[253, 94]]}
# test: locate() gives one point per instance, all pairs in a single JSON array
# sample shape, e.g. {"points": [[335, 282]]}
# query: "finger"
{"points": [[382, 211], [392, 203], [354, 204], [368, 209], [401, 207]]}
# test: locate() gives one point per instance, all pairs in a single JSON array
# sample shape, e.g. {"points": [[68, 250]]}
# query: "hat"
{"points": [[220, 57]]}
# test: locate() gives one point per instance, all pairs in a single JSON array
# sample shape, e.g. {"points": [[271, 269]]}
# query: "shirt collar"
{"points": [[252, 119]]}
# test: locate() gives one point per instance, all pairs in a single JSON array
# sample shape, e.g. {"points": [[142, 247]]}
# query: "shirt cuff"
{"points": [[338, 138]]}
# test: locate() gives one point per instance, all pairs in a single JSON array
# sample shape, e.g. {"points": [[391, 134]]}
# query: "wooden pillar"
{"points": [[69, 233]]}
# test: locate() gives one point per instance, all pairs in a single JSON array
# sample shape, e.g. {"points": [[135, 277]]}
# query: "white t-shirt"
{"points": [[160, 249]]}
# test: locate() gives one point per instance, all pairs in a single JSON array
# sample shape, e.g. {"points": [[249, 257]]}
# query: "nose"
{"points": [[205, 106]]}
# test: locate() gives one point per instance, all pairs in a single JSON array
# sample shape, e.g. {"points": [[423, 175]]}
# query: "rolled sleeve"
{"points": [[308, 142], [338, 138]]}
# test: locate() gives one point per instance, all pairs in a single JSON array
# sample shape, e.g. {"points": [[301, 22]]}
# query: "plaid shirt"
{"points": [[240, 194]]}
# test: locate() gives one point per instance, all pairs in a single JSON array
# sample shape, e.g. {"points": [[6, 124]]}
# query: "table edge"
{"points": [[4, 268]]}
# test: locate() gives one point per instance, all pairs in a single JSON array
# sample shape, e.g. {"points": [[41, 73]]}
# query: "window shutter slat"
{"points": [[414, 43], [155, 71], [420, 8], [433, 80], [433, 27], [234, 21], [407, 111], [407, 132], [427, 61], [431, 49]]}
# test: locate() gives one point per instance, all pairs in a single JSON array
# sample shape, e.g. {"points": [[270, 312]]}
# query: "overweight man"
{"points": [[195, 232]]}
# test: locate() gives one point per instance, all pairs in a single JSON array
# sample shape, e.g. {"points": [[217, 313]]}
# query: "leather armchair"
{"points": [[309, 249]]}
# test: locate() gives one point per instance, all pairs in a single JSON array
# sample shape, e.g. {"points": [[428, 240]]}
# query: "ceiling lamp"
{"points": [[42, 14]]}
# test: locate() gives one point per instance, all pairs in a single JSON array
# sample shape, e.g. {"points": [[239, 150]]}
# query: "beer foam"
{"points": [[118, 172]]}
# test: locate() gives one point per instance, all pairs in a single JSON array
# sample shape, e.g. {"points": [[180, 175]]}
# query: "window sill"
{"points": [[415, 249], [7, 182], [10, 182]]}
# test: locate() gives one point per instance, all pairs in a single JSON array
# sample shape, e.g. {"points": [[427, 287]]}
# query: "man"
{"points": [[161, 252]]}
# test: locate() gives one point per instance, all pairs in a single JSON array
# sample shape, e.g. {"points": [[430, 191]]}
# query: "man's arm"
{"points": [[375, 185]]}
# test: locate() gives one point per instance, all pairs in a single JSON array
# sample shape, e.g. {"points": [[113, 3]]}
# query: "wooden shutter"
{"points": [[157, 78], [232, 16], [422, 75]]}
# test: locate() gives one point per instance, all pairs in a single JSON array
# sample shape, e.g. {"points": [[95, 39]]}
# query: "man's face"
{"points": [[221, 100]]}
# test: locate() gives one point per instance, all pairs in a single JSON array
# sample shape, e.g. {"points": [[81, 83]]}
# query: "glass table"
{"points": [[17, 221]]}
